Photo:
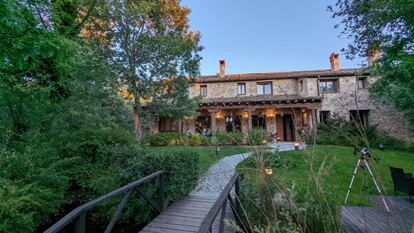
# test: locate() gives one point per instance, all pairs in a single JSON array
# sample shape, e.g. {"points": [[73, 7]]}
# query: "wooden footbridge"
{"points": [[200, 214]]}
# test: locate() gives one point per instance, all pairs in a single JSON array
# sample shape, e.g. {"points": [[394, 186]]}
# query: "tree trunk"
{"points": [[137, 124]]}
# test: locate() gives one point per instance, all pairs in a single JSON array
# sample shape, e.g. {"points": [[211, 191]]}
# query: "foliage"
{"points": [[154, 52], [257, 136], [31, 190], [234, 138], [387, 26], [182, 165], [344, 133], [270, 160]]}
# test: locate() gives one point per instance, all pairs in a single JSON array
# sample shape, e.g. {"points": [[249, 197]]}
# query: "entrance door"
{"points": [[288, 132]]}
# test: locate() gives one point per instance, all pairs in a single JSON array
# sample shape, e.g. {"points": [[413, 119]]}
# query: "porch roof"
{"points": [[260, 100]]}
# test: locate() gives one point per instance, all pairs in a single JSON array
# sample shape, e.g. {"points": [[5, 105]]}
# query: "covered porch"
{"points": [[284, 117]]}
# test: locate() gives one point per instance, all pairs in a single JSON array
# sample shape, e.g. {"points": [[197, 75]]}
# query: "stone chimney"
{"points": [[373, 55], [222, 64], [334, 59]]}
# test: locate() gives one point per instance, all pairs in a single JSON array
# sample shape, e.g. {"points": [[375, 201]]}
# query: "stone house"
{"points": [[285, 103]]}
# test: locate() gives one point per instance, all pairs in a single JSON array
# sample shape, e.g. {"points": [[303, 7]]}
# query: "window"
{"points": [[360, 116], [259, 121], [362, 82], [264, 88], [167, 125], [301, 85], [241, 88], [324, 116], [328, 85], [233, 123], [203, 90]]}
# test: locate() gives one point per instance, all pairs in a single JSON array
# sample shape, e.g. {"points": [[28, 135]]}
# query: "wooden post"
{"points": [[180, 126], [80, 225], [213, 121], [162, 197], [223, 214], [249, 118]]}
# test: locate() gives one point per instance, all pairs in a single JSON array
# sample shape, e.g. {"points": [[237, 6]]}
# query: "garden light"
{"points": [[217, 151], [268, 171], [296, 145], [381, 147], [264, 142]]}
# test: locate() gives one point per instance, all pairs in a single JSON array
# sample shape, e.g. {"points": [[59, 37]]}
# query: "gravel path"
{"points": [[220, 173]]}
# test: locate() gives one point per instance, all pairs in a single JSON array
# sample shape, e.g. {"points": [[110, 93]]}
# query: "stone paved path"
{"points": [[220, 173]]}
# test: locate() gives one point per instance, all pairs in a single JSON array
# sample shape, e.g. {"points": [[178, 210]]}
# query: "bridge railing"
{"points": [[79, 214], [221, 204]]}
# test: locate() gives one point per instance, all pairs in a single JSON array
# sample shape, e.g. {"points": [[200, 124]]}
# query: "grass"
{"points": [[208, 154], [339, 163]]}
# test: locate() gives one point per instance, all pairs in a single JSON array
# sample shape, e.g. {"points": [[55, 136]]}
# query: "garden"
{"points": [[305, 189]]}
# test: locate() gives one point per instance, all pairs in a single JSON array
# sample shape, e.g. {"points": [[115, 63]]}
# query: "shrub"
{"points": [[164, 139], [182, 165], [31, 189], [236, 138], [257, 136], [196, 139], [222, 138], [344, 133]]}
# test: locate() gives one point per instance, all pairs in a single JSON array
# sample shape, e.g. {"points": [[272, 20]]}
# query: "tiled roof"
{"points": [[260, 99], [281, 75]]}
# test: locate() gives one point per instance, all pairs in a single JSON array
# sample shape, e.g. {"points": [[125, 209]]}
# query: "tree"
{"points": [[387, 26], [155, 53]]}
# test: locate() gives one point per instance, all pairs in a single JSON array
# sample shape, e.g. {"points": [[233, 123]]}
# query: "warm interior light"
{"points": [[268, 171]]}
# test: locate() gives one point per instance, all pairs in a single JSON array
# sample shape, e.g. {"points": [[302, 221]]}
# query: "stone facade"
{"points": [[295, 94]]}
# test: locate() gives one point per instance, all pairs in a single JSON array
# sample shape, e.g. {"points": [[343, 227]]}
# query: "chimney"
{"points": [[222, 68], [334, 59], [373, 55]]}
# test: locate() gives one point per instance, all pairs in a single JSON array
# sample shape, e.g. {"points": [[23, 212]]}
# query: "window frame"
{"points": [[364, 80], [324, 116], [360, 116], [163, 122], [263, 84], [201, 90], [244, 88], [335, 82]]}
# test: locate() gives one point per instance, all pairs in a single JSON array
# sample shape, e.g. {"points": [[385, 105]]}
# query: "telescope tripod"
{"points": [[365, 164]]}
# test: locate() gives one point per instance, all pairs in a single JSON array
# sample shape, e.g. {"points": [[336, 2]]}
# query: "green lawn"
{"points": [[207, 154], [341, 162]]}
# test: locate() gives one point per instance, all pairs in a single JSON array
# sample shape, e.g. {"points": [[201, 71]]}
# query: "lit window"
{"points": [[203, 90], [264, 88], [328, 85], [362, 82], [241, 88]]}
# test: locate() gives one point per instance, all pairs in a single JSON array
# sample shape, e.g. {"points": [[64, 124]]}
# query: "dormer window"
{"points": [[203, 90], [264, 88]]}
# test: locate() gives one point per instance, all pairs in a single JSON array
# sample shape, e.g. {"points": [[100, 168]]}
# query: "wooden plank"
{"points": [[377, 219]]}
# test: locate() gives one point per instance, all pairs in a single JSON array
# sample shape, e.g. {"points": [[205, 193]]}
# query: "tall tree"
{"points": [[152, 42], [387, 26]]}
